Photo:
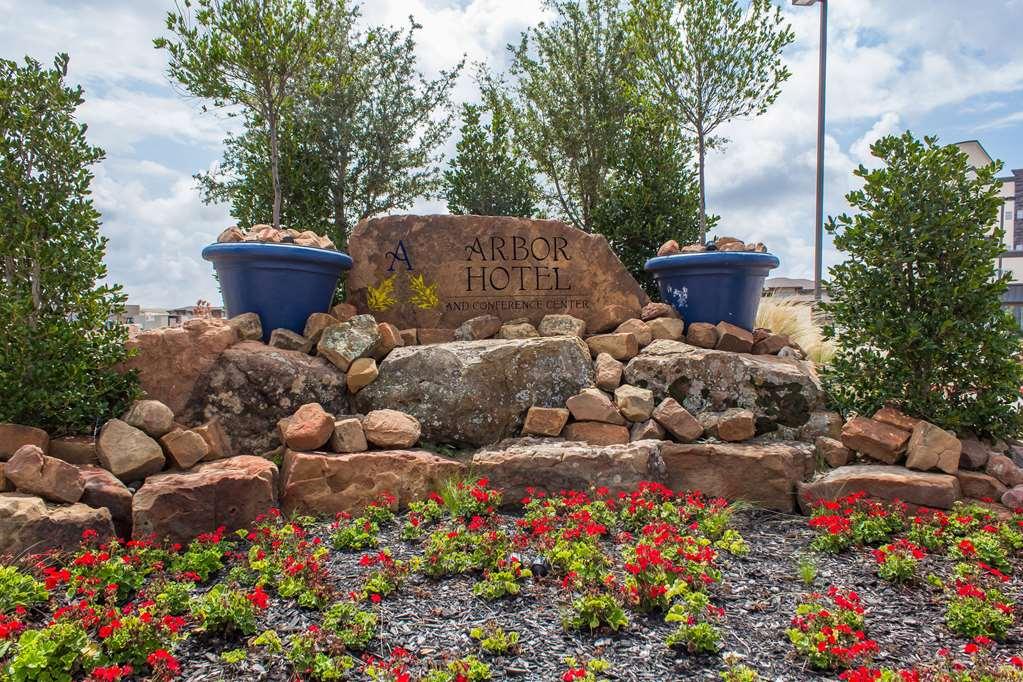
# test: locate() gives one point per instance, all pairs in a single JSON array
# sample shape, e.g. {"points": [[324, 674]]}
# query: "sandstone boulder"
{"points": [[229, 492], [770, 344], [309, 428], [596, 433], [592, 404], [1004, 469], [104, 491], [657, 310], [1013, 498], [702, 335], [28, 525], [893, 417], [545, 421], [348, 436], [778, 391], [974, 454], [551, 466], [980, 486], [618, 346], [635, 404], [638, 328], [938, 491], [315, 483], [74, 449], [391, 429], [736, 425], [150, 416], [607, 372], [171, 360], [833, 452], [764, 474], [390, 338], [647, 430], [667, 328], [15, 436], [127, 452], [218, 445], [561, 325], [48, 477], [608, 317], [248, 326], [184, 448], [677, 420], [931, 447], [476, 328], [361, 374], [478, 392], [345, 342], [874, 439], [315, 325], [518, 330], [343, 312], [252, 386], [733, 339]]}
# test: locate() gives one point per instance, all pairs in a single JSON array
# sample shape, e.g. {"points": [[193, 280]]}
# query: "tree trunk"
{"points": [[703, 186], [275, 173]]}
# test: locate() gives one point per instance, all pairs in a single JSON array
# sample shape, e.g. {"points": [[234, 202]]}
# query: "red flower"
{"points": [[161, 658], [258, 597]]}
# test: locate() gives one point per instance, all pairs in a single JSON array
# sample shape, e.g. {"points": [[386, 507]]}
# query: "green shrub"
{"points": [[225, 611], [52, 654], [916, 307], [353, 626], [18, 588]]}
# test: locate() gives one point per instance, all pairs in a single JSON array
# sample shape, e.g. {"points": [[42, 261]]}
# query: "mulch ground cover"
{"points": [[754, 587]]}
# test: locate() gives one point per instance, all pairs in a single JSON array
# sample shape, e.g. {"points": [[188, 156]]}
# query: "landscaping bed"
{"points": [[263, 603]]}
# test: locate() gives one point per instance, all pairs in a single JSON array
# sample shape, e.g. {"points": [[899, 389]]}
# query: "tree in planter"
{"points": [[362, 143], [916, 307], [57, 353], [652, 196], [711, 62], [487, 177], [257, 54]]}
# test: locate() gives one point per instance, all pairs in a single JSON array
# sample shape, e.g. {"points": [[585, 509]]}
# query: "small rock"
{"points": [[733, 339], [874, 439], [78, 450], [104, 491], [151, 416], [608, 372], [974, 454], [184, 448], [522, 330], [694, 248], [736, 425], [609, 317], [649, 429], [833, 452], [285, 339], [361, 373], [48, 477], [618, 346], [770, 345], [315, 325], [309, 428], [709, 422], [218, 444], [482, 327], [592, 404], [345, 342], [15, 436], [669, 328], [596, 433], [343, 312], [127, 452], [1003, 468], [891, 416], [677, 420], [635, 404], [656, 310], [391, 429], [248, 326], [980, 486], [1013, 498], [428, 336], [702, 335], [668, 248], [545, 421], [731, 246], [231, 235], [562, 325], [409, 337], [390, 338], [348, 436], [637, 328], [791, 353], [931, 447]]}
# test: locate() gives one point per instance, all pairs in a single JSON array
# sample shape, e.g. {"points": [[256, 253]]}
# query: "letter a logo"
{"points": [[399, 254]]}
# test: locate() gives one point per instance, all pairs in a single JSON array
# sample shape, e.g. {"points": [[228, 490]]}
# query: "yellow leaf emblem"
{"points": [[423, 295], [381, 297]]}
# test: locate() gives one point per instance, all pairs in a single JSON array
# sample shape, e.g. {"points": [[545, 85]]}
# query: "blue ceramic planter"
{"points": [[714, 286], [283, 283]]}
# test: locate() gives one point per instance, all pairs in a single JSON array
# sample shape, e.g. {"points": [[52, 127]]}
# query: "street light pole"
{"points": [[822, 80]]}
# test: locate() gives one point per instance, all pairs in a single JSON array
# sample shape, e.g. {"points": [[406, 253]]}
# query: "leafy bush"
{"points": [[59, 356], [595, 611], [51, 654], [225, 611], [916, 307], [354, 627], [494, 640], [18, 588]]}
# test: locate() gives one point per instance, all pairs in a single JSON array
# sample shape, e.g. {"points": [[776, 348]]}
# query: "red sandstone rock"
{"points": [[677, 420], [649, 429], [833, 452], [608, 317], [669, 328], [218, 445], [309, 428], [736, 425], [361, 374], [391, 429], [429, 336], [875, 439], [618, 346], [545, 421], [28, 525], [592, 404], [14, 436], [104, 491], [390, 338], [596, 433], [348, 436], [771, 344], [893, 417], [638, 328], [938, 491], [702, 335], [53, 479], [608, 372], [733, 339], [1004, 469], [980, 486], [184, 448], [476, 328], [74, 449], [635, 403], [931, 447], [657, 310]]}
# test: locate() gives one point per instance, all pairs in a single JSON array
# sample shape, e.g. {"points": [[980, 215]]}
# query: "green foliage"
{"points": [[494, 640], [353, 626], [348, 533], [808, 570], [18, 588], [51, 654], [501, 583], [711, 61], [359, 139], [595, 611], [468, 669], [975, 612], [488, 176], [258, 54], [736, 671], [234, 656], [174, 597], [695, 632], [314, 661], [916, 305], [57, 354], [224, 610]]}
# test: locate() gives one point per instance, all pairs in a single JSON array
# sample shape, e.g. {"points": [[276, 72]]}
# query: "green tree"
{"points": [[487, 176], [709, 62], [652, 196], [362, 142], [57, 356], [569, 93], [916, 306], [257, 54]]}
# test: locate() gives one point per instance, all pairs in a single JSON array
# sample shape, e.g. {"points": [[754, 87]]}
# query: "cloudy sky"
{"points": [[945, 67]]}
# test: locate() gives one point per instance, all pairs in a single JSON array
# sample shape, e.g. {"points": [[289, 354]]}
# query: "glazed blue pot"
{"points": [[713, 286], [283, 283]]}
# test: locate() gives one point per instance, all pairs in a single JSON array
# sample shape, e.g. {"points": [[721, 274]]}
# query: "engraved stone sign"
{"points": [[440, 270]]}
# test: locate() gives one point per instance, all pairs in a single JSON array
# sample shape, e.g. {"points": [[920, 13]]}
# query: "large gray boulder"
{"points": [[779, 391], [252, 386], [478, 392]]}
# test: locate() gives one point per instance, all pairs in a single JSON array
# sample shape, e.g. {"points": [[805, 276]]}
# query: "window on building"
{"points": [[1019, 214]]}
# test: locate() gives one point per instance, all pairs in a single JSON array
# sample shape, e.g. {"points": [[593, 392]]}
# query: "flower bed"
{"points": [[649, 585]]}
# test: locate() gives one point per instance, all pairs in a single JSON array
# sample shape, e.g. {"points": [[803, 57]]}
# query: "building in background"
{"points": [[1010, 219], [139, 319]]}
